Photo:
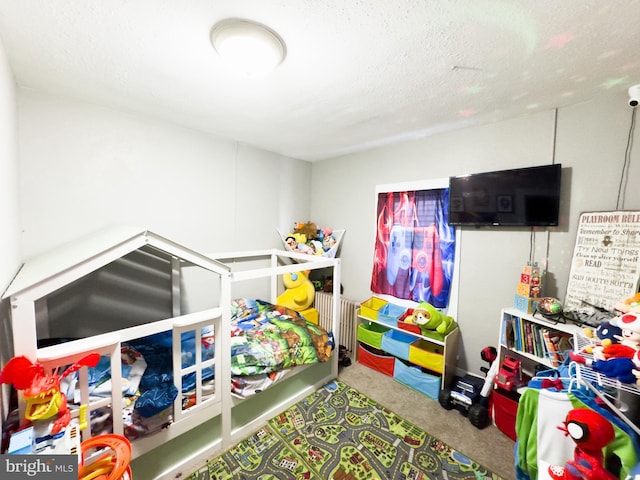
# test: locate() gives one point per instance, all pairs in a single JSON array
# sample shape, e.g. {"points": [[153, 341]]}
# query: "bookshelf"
{"points": [[540, 342]]}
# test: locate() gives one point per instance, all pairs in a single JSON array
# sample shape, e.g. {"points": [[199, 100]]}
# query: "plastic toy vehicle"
{"points": [[471, 394], [465, 393], [510, 374]]}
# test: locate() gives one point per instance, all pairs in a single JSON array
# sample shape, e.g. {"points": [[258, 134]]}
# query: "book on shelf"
{"points": [[509, 333], [542, 345], [523, 340], [528, 332], [554, 355]]}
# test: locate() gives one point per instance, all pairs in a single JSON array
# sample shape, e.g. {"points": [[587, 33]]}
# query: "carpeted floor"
{"points": [[489, 446], [342, 432]]}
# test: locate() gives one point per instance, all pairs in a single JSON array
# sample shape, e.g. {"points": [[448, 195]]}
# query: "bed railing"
{"points": [[58, 356]]}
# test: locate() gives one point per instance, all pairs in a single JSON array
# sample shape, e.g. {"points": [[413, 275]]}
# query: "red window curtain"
{"points": [[415, 246]]}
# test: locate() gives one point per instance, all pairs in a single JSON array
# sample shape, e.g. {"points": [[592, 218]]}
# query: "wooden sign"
{"points": [[605, 269]]}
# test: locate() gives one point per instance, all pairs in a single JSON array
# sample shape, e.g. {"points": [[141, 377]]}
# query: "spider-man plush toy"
{"points": [[591, 432]]}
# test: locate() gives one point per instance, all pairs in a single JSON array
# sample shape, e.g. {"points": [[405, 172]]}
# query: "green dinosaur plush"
{"points": [[432, 320]]}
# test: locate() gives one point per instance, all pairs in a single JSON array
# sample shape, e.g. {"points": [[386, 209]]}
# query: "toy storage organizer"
{"points": [[386, 345], [128, 283]]}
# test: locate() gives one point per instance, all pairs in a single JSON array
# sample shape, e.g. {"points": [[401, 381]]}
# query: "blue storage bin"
{"points": [[415, 378], [397, 343], [390, 314]]}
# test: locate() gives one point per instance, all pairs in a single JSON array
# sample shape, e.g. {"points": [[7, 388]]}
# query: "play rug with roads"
{"points": [[339, 433]]}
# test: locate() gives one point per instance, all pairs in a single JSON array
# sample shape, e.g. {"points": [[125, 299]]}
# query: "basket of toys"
{"points": [[310, 239]]}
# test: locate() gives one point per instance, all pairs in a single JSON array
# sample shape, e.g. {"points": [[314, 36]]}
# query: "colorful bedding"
{"points": [[266, 340]]}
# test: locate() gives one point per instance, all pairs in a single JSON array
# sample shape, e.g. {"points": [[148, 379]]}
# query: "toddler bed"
{"points": [[267, 340], [192, 401]]}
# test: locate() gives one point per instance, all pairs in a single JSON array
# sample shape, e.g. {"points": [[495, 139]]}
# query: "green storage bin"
{"points": [[371, 333]]}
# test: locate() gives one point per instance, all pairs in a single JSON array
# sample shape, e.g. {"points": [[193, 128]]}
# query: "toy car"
{"points": [[470, 395], [510, 374], [463, 395]]}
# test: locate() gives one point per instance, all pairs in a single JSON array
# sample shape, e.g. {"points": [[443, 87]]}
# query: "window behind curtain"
{"points": [[415, 246]]}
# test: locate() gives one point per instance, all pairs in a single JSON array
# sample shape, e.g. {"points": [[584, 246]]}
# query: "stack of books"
{"points": [[537, 340]]}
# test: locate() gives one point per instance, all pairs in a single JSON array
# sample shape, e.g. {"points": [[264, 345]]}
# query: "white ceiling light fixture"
{"points": [[248, 46]]}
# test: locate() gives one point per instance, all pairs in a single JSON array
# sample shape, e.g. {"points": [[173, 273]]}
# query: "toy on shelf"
{"points": [[432, 322], [629, 305], [618, 360], [310, 239], [591, 432], [509, 376], [529, 288], [605, 334], [549, 307]]}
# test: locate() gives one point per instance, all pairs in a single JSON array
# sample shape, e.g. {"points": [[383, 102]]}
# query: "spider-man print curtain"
{"points": [[415, 246]]}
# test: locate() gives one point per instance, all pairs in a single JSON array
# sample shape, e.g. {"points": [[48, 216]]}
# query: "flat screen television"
{"points": [[518, 197]]}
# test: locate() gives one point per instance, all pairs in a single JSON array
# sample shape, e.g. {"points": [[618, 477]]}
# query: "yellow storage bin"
{"points": [[371, 334], [370, 308], [427, 355]]}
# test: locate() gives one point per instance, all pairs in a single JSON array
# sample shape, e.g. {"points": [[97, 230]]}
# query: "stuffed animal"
{"points": [[309, 229], [299, 237], [316, 246], [591, 432], [430, 320], [607, 333], [291, 242], [297, 242], [299, 293], [629, 305], [328, 242], [618, 360]]}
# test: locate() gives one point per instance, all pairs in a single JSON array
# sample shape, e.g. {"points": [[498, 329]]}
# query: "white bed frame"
{"points": [[214, 423]]}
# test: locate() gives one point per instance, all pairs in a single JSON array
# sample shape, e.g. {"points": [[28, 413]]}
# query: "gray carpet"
{"points": [[489, 446]]}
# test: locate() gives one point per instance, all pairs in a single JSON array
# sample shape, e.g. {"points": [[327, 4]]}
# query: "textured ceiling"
{"points": [[358, 73]]}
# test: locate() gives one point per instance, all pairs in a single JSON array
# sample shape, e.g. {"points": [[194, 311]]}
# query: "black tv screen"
{"points": [[519, 197]]}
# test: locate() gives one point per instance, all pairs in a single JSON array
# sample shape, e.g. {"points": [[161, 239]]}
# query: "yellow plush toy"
{"points": [[299, 293]]}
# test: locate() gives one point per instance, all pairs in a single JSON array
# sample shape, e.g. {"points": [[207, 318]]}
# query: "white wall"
{"points": [[83, 167], [9, 224], [590, 141]]}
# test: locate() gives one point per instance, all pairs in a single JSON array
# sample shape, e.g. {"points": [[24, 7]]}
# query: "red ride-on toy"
{"points": [[470, 394]]}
